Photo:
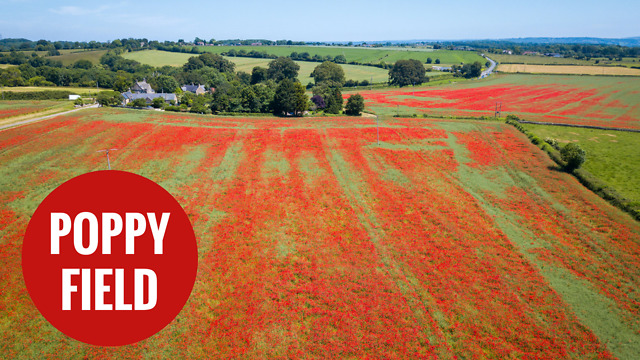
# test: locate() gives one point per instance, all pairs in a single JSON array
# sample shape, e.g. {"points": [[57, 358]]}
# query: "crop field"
{"points": [[9, 109], [612, 156], [588, 100], [565, 69], [353, 72], [68, 57], [361, 55], [548, 60], [448, 239]]}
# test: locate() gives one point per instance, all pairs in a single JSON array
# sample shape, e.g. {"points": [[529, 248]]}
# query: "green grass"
{"points": [[353, 72], [158, 58], [612, 156], [361, 55], [68, 57]]}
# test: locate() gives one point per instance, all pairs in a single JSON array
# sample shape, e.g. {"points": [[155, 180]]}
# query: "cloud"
{"points": [[78, 11]]}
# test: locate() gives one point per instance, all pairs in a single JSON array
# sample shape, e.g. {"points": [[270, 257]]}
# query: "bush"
{"points": [[553, 142], [573, 155], [355, 105]]}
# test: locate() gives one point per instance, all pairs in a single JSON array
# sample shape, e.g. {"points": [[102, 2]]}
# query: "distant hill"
{"points": [[632, 41]]}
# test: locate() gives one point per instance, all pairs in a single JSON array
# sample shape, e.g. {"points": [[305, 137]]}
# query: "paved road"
{"points": [[20, 123], [490, 69]]}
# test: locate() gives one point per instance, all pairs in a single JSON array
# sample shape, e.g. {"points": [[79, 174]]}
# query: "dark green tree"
{"points": [[355, 105], [573, 155], [165, 84], [408, 72], [330, 73], [334, 101], [258, 75], [109, 98], [282, 68], [289, 98]]}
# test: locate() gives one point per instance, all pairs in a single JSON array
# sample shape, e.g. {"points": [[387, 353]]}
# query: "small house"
{"points": [[196, 89], [141, 87], [129, 97]]}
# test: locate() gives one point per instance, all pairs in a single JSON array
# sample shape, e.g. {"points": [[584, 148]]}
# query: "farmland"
{"points": [[69, 57], [565, 69], [360, 55], [612, 156], [587, 100], [12, 110], [353, 72], [448, 239]]}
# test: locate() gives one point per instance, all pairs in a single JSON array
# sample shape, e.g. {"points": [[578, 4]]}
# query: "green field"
{"points": [[68, 57], [75, 90], [612, 156], [353, 72], [158, 58], [361, 55]]}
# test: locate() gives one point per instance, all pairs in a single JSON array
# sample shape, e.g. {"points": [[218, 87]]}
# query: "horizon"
{"points": [[356, 21]]}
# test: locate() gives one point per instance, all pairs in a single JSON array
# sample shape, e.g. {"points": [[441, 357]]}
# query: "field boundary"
{"points": [[578, 126], [588, 180]]}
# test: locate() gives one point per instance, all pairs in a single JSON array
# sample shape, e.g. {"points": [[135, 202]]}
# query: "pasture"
{"points": [[69, 57], [353, 72], [448, 239], [569, 70], [361, 55], [612, 156]]}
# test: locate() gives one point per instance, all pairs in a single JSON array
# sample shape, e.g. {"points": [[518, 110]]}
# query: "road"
{"points": [[20, 123], [490, 69]]}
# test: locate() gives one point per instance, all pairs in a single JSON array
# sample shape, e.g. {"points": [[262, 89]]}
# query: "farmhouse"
{"points": [[141, 87], [196, 89], [129, 97]]}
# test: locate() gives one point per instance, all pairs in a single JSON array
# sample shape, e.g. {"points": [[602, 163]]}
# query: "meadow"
{"points": [[612, 156], [352, 72], [69, 57], [361, 55], [588, 100], [447, 239], [548, 60]]}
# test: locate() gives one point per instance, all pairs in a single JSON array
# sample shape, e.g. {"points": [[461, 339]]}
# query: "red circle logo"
{"points": [[109, 258]]}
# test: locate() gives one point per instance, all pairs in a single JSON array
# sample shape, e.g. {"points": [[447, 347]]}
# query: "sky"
{"points": [[326, 20]]}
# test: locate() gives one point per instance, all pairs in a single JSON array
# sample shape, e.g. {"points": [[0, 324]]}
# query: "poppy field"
{"points": [[587, 100], [447, 239]]}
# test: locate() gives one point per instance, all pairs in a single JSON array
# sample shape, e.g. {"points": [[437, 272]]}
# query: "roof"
{"points": [[143, 85], [133, 96], [192, 88]]}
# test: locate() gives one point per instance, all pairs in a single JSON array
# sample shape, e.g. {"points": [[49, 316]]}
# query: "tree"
{"points": [[437, 61], [355, 105], [258, 75], [289, 98], [318, 101], [109, 98], [468, 70], [334, 101], [165, 83], [573, 155], [283, 68], [138, 103], [83, 64], [408, 72], [218, 62], [157, 102], [328, 72], [340, 59], [429, 60]]}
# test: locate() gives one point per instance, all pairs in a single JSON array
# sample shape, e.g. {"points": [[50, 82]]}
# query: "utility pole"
{"points": [[108, 160], [498, 109]]}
